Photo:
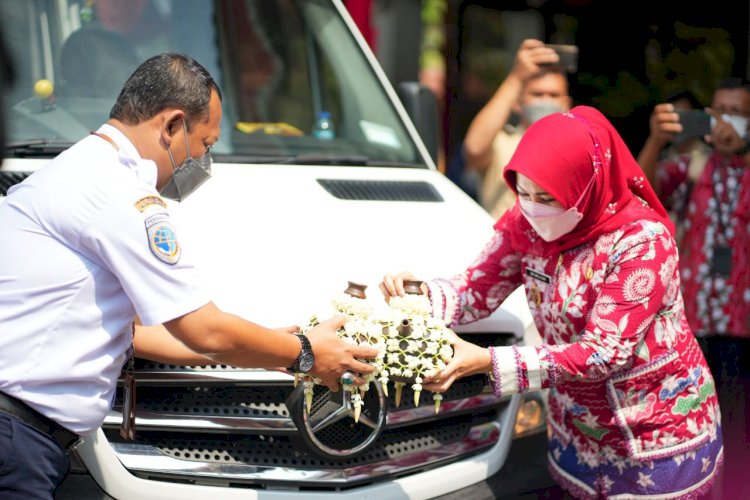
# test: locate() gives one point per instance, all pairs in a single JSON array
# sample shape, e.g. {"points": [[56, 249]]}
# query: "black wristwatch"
{"points": [[306, 359]]}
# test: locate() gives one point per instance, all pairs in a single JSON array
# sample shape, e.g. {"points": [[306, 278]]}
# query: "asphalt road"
{"points": [[524, 476]]}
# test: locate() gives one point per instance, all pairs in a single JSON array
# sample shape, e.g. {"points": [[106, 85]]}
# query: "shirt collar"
{"points": [[129, 156]]}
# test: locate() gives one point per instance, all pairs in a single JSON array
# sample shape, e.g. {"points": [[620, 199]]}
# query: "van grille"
{"points": [[374, 190], [223, 425]]}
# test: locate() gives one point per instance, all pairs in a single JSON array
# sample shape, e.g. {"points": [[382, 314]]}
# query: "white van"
{"points": [[287, 219]]}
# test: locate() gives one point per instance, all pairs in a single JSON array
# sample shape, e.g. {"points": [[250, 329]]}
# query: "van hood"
{"points": [[319, 242]]}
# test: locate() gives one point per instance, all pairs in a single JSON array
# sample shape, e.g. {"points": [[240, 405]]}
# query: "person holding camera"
{"points": [[713, 207], [665, 142], [536, 86], [677, 130]]}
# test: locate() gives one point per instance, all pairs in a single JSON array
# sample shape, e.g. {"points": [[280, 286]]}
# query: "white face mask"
{"points": [[738, 123], [540, 109], [550, 222], [553, 222]]}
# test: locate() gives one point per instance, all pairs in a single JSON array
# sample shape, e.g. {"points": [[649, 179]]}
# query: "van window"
{"points": [[280, 66]]}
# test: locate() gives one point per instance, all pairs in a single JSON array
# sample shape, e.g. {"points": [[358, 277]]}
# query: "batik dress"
{"points": [[632, 405], [715, 258]]}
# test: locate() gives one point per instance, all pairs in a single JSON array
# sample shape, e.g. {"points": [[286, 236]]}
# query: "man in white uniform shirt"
{"points": [[88, 245]]}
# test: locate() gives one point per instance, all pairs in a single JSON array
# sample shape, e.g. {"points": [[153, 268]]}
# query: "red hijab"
{"points": [[561, 152]]}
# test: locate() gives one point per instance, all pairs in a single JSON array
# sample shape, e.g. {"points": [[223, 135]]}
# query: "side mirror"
{"points": [[421, 105]]}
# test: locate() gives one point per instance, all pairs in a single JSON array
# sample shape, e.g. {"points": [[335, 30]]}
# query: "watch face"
{"points": [[306, 362]]}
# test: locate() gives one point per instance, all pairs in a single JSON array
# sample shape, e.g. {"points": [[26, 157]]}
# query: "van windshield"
{"points": [[296, 88]]}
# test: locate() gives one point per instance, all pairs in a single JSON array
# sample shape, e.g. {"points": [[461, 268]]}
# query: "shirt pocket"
{"points": [[660, 407]]}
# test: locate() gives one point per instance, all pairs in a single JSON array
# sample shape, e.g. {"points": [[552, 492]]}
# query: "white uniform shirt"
{"points": [[86, 244]]}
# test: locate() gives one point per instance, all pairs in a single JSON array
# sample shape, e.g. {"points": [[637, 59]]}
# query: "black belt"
{"points": [[17, 408]]}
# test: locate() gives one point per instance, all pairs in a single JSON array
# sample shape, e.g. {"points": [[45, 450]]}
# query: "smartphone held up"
{"points": [[695, 123], [568, 55]]}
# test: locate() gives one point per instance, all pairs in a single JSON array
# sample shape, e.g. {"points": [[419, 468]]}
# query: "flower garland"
{"points": [[411, 344]]}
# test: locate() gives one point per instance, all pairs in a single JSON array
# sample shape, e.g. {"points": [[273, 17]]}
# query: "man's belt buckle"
{"points": [[67, 440], [77, 442]]}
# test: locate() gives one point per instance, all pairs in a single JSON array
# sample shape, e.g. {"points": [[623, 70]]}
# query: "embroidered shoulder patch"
{"points": [[162, 238], [149, 201]]}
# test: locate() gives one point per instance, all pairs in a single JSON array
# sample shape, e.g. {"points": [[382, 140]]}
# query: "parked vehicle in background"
{"points": [[366, 180]]}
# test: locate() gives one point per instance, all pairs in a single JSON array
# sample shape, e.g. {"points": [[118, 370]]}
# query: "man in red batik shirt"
{"points": [[714, 256]]}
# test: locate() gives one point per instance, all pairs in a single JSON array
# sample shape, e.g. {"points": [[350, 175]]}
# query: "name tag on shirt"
{"points": [[538, 275]]}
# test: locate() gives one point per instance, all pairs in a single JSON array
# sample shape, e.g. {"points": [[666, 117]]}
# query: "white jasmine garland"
{"points": [[411, 344], [412, 305]]}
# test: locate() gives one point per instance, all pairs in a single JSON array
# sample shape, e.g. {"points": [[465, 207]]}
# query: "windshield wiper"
{"points": [[37, 147]]}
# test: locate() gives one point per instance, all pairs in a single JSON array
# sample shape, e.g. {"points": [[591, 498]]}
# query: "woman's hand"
{"points": [[393, 285], [468, 359]]}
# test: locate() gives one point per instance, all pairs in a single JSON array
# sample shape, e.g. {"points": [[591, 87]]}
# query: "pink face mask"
{"points": [[552, 222]]}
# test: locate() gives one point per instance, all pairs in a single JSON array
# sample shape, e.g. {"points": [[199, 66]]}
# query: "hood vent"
{"points": [[373, 190], [10, 179]]}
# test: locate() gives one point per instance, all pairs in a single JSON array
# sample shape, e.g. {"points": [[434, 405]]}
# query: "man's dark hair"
{"points": [[734, 83], [553, 69], [164, 81], [550, 69]]}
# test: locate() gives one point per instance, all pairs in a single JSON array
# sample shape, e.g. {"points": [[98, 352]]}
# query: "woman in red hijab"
{"points": [[632, 406]]}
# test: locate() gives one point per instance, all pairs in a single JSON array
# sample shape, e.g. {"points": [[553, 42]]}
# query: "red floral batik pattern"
{"points": [[630, 390], [717, 215]]}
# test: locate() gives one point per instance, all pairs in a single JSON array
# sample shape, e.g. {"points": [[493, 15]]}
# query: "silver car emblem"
{"points": [[329, 429]]}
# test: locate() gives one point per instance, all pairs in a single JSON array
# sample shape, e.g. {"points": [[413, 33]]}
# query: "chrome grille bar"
{"points": [[149, 461], [146, 420]]}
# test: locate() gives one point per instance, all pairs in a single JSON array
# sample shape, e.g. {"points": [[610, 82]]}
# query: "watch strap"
{"points": [[305, 347]]}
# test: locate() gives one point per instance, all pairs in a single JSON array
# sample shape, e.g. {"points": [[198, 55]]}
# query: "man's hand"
{"points": [[531, 54], [664, 123], [333, 356]]}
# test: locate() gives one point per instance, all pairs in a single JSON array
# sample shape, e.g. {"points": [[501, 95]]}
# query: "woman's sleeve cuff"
{"points": [[515, 369]]}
